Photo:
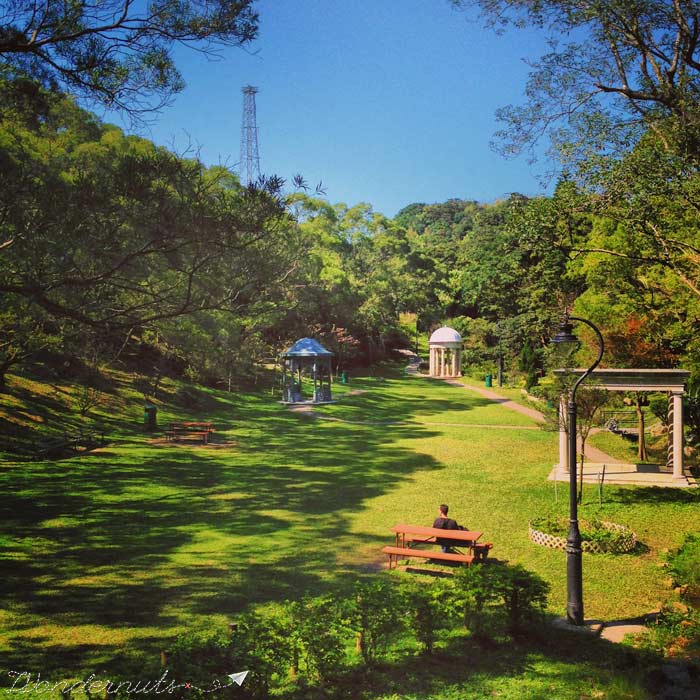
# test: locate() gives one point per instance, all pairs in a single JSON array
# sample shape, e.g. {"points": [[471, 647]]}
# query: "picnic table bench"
{"points": [[189, 429], [406, 537]]}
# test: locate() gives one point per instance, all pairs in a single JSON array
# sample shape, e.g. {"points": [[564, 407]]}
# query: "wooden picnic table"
{"points": [[405, 536], [189, 429], [430, 535]]}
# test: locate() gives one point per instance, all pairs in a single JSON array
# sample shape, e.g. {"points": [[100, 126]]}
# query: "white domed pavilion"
{"points": [[445, 353]]}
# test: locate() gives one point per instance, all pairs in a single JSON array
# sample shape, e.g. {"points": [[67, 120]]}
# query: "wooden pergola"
{"points": [[306, 356], [672, 382]]}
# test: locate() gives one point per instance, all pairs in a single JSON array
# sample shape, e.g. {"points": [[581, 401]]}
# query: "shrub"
{"points": [[377, 615], [522, 593], [204, 659], [475, 590], [320, 634], [432, 606], [675, 633], [684, 566]]}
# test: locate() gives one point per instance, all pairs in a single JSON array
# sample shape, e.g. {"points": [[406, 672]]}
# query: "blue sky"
{"points": [[387, 102]]}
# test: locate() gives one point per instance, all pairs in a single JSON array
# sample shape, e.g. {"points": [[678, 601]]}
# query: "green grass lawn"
{"points": [[107, 555]]}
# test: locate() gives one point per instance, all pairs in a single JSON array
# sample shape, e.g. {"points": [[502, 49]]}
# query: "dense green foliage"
{"points": [[308, 641], [684, 566], [116, 52], [115, 250]]}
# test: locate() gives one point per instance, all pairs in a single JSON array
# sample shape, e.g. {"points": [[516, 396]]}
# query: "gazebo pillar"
{"points": [[563, 438], [454, 363], [677, 398]]}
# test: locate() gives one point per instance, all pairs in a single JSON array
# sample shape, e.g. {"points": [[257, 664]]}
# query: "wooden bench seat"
{"points": [[396, 552]]}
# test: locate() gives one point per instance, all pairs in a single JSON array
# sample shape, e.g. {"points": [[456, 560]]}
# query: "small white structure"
{"points": [[445, 353]]}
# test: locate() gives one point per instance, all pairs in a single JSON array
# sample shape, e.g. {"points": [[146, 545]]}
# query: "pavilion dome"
{"points": [[307, 347], [445, 335]]}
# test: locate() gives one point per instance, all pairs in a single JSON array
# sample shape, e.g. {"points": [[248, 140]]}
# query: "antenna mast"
{"points": [[250, 159]]}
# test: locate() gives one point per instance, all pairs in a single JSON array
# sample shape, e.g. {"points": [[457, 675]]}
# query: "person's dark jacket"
{"points": [[447, 524]]}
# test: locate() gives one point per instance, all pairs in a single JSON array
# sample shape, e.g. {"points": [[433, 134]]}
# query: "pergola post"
{"points": [[677, 435], [563, 438]]}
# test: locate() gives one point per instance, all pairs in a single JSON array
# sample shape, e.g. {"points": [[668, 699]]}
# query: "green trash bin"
{"points": [[149, 416], [489, 380], [343, 377]]}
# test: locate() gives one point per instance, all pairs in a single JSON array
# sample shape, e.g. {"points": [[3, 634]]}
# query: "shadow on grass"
{"points": [[121, 547], [653, 495]]}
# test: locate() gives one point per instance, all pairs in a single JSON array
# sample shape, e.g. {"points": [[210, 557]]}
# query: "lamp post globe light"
{"points": [[574, 571]]}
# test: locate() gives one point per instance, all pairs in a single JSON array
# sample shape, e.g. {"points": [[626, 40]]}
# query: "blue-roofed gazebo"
{"points": [[307, 357]]}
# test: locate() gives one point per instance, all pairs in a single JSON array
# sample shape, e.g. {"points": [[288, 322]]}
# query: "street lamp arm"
{"points": [[601, 348]]}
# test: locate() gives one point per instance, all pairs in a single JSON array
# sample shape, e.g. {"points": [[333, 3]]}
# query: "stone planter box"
{"points": [[623, 545]]}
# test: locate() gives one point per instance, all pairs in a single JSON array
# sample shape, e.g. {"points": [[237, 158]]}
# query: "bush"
{"points": [[320, 633], [432, 606], [475, 591], [204, 659], [684, 566], [524, 594], [377, 615], [675, 633], [596, 535]]}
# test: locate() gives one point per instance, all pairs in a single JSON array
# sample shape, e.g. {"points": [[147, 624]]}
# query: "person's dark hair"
{"points": [[444, 508]]}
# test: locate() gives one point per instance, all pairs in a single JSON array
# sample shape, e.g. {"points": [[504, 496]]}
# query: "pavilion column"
{"points": [[442, 362], [563, 437], [677, 435], [454, 363]]}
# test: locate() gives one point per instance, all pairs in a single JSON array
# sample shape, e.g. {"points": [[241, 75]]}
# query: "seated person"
{"points": [[445, 523]]}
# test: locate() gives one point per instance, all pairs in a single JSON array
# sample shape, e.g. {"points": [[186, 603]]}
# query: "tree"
{"points": [[615, 70], [117, 52], [111, 236]]}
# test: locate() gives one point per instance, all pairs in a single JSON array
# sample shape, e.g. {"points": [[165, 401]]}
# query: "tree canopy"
{"points": [[116, 52]]}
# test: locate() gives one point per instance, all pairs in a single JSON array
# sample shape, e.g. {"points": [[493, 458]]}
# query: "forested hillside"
{"points": [[116, 251]]}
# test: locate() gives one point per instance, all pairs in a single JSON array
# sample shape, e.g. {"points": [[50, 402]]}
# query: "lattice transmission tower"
{"points": [[250, 158]]}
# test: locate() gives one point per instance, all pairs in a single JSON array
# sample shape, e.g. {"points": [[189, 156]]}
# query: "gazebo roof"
{"points": [[307, 347], [445, 335]]}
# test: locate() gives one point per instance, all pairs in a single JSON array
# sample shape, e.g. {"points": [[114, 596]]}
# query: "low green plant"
{"points": [[475, 592], [675, 633], [684, 566], [320, 633], [524, 593], [610, 538], [201, 661], [377, 615], [432, 607]]}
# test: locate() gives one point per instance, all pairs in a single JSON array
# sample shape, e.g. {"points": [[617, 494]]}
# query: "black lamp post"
{"points": [[574, 571]]}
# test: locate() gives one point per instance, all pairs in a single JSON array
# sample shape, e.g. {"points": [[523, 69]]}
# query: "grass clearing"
{"points": [[107, 555]]}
